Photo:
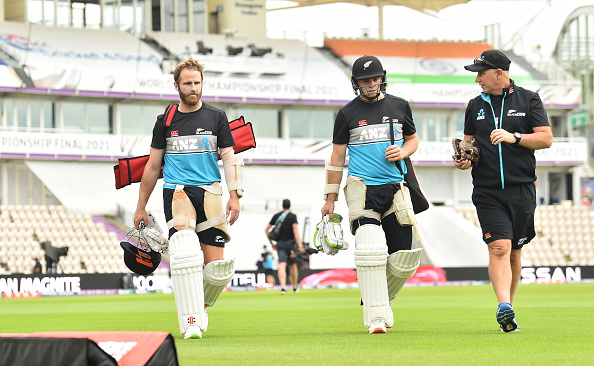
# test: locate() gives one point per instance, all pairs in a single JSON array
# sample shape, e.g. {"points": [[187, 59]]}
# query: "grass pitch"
{"points": [[442, 325]]}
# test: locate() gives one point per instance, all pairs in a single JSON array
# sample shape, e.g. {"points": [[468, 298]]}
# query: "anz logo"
{"points": [[481, 114], [191, 144], [374, 133], [205, 144]]}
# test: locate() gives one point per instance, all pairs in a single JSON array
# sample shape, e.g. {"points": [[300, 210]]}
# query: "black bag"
{"points": [[275, 229]]}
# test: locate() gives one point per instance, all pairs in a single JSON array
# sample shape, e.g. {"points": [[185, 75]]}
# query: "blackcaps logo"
{"points": [[367, 64], [481, 114], [201, 131], [514, 113]]}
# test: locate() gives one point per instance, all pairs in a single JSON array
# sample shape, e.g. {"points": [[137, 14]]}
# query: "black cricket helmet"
{"points": [[138, 260], [367, 67]]}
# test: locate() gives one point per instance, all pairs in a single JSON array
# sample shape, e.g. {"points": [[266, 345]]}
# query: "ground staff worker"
{"points": [[509, 123]]}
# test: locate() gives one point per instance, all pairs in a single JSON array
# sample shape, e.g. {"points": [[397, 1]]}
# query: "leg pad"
{"points": [[371, 253], [217, 275], [187, 262]]}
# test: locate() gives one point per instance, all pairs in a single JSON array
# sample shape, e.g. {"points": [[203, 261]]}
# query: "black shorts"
{"points": [[268, 271], [506, 213], [379, 199], [211, 236], [286, 252]]}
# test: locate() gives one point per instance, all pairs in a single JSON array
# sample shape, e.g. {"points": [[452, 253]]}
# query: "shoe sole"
{"points": [[510, 327], [378, 330]]}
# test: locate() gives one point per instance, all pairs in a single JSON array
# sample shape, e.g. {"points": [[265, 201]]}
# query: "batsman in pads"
{"points": [[188, 139], [379, 132]]}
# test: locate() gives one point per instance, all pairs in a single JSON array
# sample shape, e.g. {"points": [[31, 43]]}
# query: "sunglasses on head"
{"points": [[481, 61]]}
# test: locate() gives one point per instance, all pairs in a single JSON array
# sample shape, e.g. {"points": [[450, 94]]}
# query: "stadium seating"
{"points": [[92, 246], [563, 235]]}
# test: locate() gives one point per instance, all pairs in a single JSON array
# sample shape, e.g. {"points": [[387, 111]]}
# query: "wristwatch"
{"points": [[518, 137]]}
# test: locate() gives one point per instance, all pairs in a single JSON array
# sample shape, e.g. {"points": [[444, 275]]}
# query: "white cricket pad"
{"points": [[402, 265], [403, 208], [217, 275], [371, 254], [182, 211], [355, 192], [214, 210], [187, 262]]}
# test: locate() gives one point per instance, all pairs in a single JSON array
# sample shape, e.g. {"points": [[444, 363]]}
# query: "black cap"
{"points": [[139, 261], [493, 59], [367, 67]]}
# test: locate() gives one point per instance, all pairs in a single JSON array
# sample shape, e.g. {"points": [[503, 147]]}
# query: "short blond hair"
{"points": [[187, 64]]}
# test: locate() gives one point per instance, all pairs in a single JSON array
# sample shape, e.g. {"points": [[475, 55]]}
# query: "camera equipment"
{"points": [[52, 256]]}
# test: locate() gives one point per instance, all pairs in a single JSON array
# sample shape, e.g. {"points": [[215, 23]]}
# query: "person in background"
{"points": [[286, 247], [37, 267], [268, 264]]}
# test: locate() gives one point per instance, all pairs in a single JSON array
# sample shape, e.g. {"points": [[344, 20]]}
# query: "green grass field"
{"points": [[442, 325]]}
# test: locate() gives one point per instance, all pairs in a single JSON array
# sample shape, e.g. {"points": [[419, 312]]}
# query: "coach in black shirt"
{"points": [[509, 123]]}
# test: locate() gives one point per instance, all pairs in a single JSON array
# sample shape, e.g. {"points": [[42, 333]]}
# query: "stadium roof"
{"points": [[420, 5]]}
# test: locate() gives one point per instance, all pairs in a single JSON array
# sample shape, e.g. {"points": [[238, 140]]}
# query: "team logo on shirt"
{"points": [[514, 113], [202, 131], [185, 144], [481, 114], [386, 119], [374, 133], [204, 144]]}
